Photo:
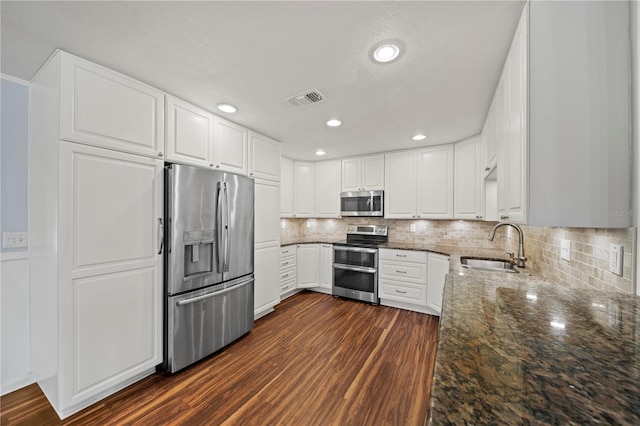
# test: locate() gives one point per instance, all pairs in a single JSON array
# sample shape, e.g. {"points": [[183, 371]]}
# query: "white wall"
{"points": [[15, 347]]}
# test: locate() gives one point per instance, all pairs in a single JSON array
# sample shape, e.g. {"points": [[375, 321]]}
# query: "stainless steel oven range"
{"points": [[355, 263]]}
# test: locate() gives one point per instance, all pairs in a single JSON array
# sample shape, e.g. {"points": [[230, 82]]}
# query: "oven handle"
{"points": [[355, 268], [356, 249]]}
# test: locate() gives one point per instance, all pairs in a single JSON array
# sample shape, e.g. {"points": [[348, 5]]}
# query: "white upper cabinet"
{"points": [[303, 189], [327, 188], [363, 173], [189, 133], [419, 183], [467, 190], [264, 157], [286, 187], [229, 146], [562, 117], [104, 108], [435, 182], [400, 185]]}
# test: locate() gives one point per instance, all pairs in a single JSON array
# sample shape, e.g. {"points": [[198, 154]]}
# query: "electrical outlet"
{"points": [[412, 227], [283, 224], [565, 249], [616, 253], [308, 224], [14, 239]]}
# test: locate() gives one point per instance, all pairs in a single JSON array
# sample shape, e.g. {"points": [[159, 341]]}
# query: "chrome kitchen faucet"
{"points": [[520, 259]]}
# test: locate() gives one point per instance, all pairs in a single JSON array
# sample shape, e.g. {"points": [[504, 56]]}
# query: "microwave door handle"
{"points": [[227, 248], [219, 228]]}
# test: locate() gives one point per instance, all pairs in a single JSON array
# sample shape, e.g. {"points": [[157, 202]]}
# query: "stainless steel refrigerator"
{"points": [[209, 280]]}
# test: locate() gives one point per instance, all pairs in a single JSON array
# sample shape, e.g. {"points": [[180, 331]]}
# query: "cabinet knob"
{"points": [[251, 174], [486, 169], [159, 154], [211, 165], [478, 216], [217, 166]]}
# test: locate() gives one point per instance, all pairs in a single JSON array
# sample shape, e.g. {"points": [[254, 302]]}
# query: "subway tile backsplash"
{"points": [[589, 247]]}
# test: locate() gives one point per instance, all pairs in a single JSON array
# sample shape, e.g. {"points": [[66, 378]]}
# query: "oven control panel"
{"points": [[367, 230]]}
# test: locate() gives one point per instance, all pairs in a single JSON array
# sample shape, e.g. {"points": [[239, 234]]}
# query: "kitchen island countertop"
{"points": [[516, 349]]}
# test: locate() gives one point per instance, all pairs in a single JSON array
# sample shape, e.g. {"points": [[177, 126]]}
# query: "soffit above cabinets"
{"points": [[257, 55]]}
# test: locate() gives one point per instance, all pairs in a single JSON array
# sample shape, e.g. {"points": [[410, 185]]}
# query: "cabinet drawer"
{"points": [[287, 262], [403, 255], [403, 292], [287, 285], [403, 271], [287, 274], [287, 251]]}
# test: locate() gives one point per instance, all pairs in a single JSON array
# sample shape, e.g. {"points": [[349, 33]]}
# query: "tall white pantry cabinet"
{"points": [[95, 219]]}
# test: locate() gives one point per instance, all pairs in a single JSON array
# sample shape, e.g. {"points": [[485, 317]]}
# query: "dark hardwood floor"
{"points": [[316, 360]]}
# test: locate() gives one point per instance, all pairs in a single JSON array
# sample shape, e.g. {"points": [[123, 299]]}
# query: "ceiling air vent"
{"points": [[306, 98]]}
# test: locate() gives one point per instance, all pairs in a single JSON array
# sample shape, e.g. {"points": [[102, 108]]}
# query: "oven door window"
{"points": [[355, 256], [354, 280]]}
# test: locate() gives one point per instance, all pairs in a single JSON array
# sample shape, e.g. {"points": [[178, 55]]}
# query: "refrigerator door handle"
{"points": [[219, 265], [227, 249], [161, 236], [214, 294]]}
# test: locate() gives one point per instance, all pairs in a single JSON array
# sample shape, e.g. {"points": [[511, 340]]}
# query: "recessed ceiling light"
{"points": [[418, 137], [386, 52], [320, 152], [334, 123], [227, 108]]}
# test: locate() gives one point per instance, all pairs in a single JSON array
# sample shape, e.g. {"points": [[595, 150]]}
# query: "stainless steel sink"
{"points": [[496, 265]]}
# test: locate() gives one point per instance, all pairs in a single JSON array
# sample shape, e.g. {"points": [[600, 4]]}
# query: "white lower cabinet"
{"points": [[437, 270], [405, 281], [326, 268], [267, 247], [96, 270], [287, 270], [307, 265]]}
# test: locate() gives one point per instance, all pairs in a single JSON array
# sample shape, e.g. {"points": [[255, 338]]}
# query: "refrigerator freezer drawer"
{"points": [[203, 321]]}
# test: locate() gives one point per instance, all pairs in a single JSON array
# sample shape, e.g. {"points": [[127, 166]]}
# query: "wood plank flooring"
{"points": [[316, 360]]}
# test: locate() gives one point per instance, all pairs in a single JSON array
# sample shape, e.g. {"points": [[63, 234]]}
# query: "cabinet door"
{"points": [[189, 133], [467, 180], [400, 185], [517, 133], [437, 269], [303, 189], [267, 219], [351, 175], [435, 182], [372, 172], [103, 108], [267, 279], [502, 146], [110, 298], [327, 188], [307, 265], [286, 188], [264, 157], [229, 146], [326, 266]]}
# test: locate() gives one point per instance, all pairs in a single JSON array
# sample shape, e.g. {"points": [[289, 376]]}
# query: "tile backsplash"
{"points": [[444, 232], [589, 264], [589, 247]]}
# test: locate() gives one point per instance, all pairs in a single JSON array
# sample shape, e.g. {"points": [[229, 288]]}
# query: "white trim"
{"points": [[17, 384], [15, 79], [14, 255]]}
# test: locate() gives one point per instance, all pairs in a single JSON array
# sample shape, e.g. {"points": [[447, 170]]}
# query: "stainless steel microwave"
{"points": [[362, 203]]}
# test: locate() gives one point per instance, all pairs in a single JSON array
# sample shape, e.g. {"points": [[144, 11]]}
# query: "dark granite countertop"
{"points": [[516, 349], [304, 241]]}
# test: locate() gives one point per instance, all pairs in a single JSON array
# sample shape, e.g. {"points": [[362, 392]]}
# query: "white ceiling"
{"points": [[256, 54]]}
